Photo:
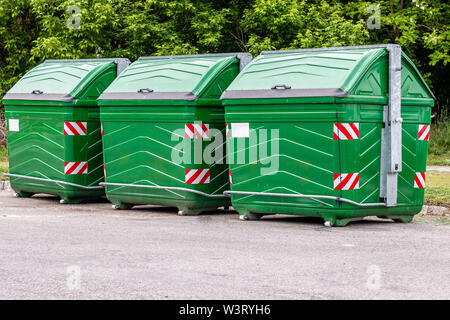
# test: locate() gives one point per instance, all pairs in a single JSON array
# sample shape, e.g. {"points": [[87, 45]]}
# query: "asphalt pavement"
{"points": [[89, 251]]}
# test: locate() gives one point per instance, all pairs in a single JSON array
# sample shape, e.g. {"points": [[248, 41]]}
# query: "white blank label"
{"points": [[240, 130], [13, 124]]}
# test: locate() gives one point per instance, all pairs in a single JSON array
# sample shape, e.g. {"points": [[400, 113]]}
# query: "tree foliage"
{"points": [[34, 30]]}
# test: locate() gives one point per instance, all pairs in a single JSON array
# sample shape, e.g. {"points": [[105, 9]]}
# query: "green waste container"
{"points": [[54, 140], [344, 134], [158, 117]]}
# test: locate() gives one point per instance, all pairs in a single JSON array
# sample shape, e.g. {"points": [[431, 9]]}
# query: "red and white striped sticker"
{"points": [[346, 131], [227, 130], [197, 176], [231, 180], [75, 128], [76, 167], [197, 130], [424, 132], [419, 180], [104, 171], [346, 181], [101, 127]]}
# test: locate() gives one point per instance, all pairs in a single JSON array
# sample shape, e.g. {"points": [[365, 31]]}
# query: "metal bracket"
{"points": [[244, 59], [391, 134]]}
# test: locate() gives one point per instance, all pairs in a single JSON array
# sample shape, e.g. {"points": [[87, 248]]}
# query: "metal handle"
{"points": [[145, 90], [280, 87], [37, 92]]}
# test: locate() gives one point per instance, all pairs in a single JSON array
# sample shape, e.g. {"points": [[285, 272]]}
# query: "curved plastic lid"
{"points": [[168, 78], [58, 80], [318, 72], [300, 74]]}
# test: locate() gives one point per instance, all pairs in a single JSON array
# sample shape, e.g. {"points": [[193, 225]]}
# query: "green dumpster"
{"points": [[337, 133], [160, 117], [54, 140]]}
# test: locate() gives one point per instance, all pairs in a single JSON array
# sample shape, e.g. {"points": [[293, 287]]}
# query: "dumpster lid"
{"points": [[182, 77], [61, 80], [319, 72]]}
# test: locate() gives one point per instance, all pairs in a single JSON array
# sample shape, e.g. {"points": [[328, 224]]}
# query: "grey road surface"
{"points": [[90, 251]]}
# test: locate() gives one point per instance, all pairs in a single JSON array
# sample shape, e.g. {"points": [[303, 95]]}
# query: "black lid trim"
{"points": [[42, 97], [291, 93], [188, 96]]}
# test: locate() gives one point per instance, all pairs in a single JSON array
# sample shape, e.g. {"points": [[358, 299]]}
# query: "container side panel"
{"points": [[45, 148], [412, 84], [330, 150], [375, 81], [154, 146], [290, 151], [222, 82], [100, 82]]}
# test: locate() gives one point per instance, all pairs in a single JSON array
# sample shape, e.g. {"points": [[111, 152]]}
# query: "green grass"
{"points": [[439, 144], [437, 190], [3, 162], [439, 160]]}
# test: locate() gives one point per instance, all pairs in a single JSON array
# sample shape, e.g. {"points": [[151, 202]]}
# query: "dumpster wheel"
{"points": [[122, 206], [250, 216], [70, 201], [190, 211], [328, 223], [401, 219], [23, 194]]}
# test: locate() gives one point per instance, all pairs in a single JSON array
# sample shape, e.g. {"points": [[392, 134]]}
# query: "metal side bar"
{"points": [[376, 204], [162, 187], [53, 181], [391, 136]]}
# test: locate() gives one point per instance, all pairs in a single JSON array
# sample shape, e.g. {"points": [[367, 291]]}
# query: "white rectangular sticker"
{"points": [[240, 130], [13, 124]]}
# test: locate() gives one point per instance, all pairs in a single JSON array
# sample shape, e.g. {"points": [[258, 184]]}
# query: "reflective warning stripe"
{"points": [[424, 132], [419, 180], [197, 176], [76, 167], [346, 181], [231, 180], [75, 128], [197, 130], [227, 130], [346, 131], [101, 127], [104, 171]]}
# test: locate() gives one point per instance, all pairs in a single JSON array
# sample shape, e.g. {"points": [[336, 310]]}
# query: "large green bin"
{"points": [[157, 110], [347, 131], [54, 140]]}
